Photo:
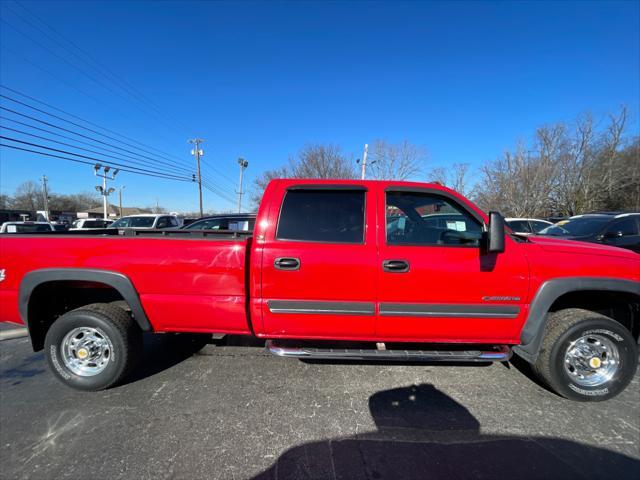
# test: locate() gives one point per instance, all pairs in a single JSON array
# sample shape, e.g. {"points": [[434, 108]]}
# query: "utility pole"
{"points": [[364, 161], [243, 164], [45, 194], [120, 200], [197, 152], [103, 188]]}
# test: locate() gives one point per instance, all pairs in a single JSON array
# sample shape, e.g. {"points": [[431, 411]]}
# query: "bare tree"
{"points": [[456, 177], [312, 161], [400, 161], [261, 182], [568, 169], [28, 196]]}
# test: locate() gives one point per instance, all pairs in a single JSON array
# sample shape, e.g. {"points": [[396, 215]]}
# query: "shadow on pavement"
{"points": [[163, 351], [424, 434]]}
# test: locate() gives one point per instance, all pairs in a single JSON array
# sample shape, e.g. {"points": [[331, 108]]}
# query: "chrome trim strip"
{"points": [[321, 307], [441, 310]]}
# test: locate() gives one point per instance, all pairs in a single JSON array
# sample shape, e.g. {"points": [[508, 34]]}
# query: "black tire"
{"points": [[568, 325], [111, 321]]}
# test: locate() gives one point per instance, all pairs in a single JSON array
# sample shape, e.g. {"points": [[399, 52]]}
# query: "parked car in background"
{"points": [[26, 227], [527, 225], [242, 222], [147, 221], [89, 223], [60, 226], [618, 230]]}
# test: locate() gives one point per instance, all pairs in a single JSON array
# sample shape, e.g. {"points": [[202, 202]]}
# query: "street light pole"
{"points": [[120, 200], [197, 152], [364, 161], [103, 189], [45, 193], [243, 164]]}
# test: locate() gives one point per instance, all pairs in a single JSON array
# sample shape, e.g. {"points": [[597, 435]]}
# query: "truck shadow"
{"points": [[164, 351], [421, 433]]}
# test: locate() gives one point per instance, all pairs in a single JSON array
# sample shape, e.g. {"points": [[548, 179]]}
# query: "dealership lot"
{"points": [[234, 412]]}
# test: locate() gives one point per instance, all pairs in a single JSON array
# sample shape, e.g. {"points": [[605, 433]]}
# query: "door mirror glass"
{"points": [[616, 234], [496, 233]]}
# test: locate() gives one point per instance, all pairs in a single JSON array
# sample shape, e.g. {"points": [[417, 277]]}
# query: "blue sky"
{"points": [[259, 80]]}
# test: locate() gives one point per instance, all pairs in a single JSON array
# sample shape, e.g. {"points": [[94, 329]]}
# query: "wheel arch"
{"points": [[552, 293], [37, 283]]}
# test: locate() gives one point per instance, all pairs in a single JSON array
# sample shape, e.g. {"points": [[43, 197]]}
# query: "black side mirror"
{"points": [[495, 243]]}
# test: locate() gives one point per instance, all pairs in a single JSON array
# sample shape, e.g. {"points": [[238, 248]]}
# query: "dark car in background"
{"points": [[527, 226], [618, 230], [241, 222]]}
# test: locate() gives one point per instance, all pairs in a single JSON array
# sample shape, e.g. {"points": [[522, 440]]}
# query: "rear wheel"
{"points": [[93, 347], [586, 356]]}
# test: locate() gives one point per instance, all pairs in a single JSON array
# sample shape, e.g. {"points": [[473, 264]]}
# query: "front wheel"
{"points": [[586, 356], [93, 347]]}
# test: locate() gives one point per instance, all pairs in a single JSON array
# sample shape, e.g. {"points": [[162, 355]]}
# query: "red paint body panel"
{"points": [[202, 285]]}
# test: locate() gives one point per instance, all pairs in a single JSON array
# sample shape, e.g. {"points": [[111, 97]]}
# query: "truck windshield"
{"points": [[576, 227]]}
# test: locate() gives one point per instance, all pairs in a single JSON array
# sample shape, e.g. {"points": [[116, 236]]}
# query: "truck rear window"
{"points": [[331, 216]]}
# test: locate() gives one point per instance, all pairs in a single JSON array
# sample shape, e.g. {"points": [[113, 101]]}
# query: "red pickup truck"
{"points": [[335, 269]]}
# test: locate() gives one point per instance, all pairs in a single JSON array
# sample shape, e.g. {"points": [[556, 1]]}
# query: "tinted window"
{"points": [[133, 222], [173, 221], [628, 226], [521, 226], [537, 225], [28, 228], [335, 216], [210, 224], [426, 219], [580, 226]]}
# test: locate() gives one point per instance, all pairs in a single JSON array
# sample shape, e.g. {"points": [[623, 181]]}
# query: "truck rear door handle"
{"points": [[287, 263], [395, 266]]}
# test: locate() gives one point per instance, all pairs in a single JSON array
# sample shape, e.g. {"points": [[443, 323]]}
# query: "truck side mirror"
{"points": [[496, 233]]}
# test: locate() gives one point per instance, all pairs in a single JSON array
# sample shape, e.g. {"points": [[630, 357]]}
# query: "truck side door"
{"points": [[435, 282], [319, 263]]}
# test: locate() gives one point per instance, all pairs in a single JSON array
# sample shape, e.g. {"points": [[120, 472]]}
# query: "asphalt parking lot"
{"points": [[236, 412]]}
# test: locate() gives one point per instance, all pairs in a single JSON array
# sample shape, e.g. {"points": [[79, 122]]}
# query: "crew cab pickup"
{"points": [[335, 269]]}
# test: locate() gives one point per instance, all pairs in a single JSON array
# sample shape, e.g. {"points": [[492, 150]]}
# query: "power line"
{"points": [[12, 120], [87, 157], [39, 110], [83, 149], [79, 134], [73, 65], [90, 123], [165, 156], [138, 95], [88, 163]]}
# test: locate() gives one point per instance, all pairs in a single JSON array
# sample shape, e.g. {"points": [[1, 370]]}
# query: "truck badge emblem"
{"points": [[500, 299]]}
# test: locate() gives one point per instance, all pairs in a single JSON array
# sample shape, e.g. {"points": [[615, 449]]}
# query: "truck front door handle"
{"points": [[287, 263], [395, 266]]}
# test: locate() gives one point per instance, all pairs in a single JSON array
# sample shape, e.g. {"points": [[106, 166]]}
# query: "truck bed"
{"points": [[186, 280]]}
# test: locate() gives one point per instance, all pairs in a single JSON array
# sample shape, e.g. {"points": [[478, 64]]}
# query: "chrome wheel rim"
{"points": [[86, 351], [592, 360]]}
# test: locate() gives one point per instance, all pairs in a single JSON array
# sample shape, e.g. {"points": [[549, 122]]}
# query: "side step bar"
{"points": [[500, 353]]}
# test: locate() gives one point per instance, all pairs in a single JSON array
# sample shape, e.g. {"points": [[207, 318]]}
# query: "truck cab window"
{"points": [[417, 218], [331, 216]]}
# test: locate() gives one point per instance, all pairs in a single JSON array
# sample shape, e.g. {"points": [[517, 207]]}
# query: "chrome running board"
{"points": [[499, 353]]}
